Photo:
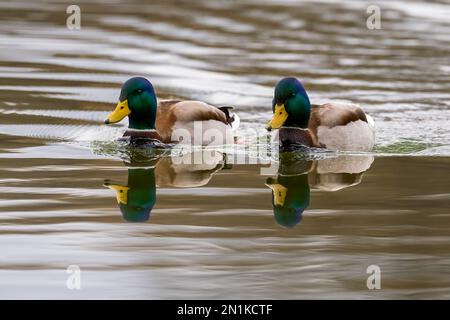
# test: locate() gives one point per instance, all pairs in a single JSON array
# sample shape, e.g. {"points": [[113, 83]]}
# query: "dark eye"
{"points": [[293, 94], [139, 91]]}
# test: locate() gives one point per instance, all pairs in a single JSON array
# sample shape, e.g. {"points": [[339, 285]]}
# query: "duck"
{"points": [[171, 121], [332, 126]]}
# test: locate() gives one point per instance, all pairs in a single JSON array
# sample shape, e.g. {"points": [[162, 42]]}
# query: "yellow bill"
{"points": [[279, 193], [121, 111], [121, 192], [279, 117]]}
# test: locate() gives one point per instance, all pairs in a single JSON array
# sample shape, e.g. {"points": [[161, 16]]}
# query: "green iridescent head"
{"points": [[137, 101], [290, 105]]}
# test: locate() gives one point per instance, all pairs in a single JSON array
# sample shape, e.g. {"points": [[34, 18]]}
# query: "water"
{"points": [[213, 231]]}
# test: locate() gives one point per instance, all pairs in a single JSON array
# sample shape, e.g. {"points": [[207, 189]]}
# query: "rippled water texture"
{"points": [[223, 230]]}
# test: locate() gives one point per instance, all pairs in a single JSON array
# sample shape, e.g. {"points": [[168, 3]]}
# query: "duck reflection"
{"points": [[297, 176], [290, 197], [181, 171], [137, 198]]}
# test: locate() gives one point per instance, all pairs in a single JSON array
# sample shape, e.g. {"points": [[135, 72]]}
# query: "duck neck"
{"points": [[143, 114], [299, 114], [142, 121], [295, 123]]}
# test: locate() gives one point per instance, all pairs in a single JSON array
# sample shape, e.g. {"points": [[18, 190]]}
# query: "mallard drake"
{"points": [[171, 121], [331, 126]]}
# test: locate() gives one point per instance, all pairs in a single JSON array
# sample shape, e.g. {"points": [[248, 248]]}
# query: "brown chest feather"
{"points": [[143, 134], [289, 137]]}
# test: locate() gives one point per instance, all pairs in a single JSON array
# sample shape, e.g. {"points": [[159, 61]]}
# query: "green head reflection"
{"points": [[290, 197], [137, 198]]}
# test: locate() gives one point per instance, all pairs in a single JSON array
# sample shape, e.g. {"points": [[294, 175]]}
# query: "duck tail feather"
{"points": [[232, 118]]}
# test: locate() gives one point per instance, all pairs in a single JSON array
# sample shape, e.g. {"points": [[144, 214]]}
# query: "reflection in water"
{"points": [[182, 171], [334, 174], [296, 175], [137, 199], [290, 198]]}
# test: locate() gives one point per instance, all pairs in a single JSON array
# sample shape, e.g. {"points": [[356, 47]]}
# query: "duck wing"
{"points": [[331, 115], [342, 127], [174, 111]]}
